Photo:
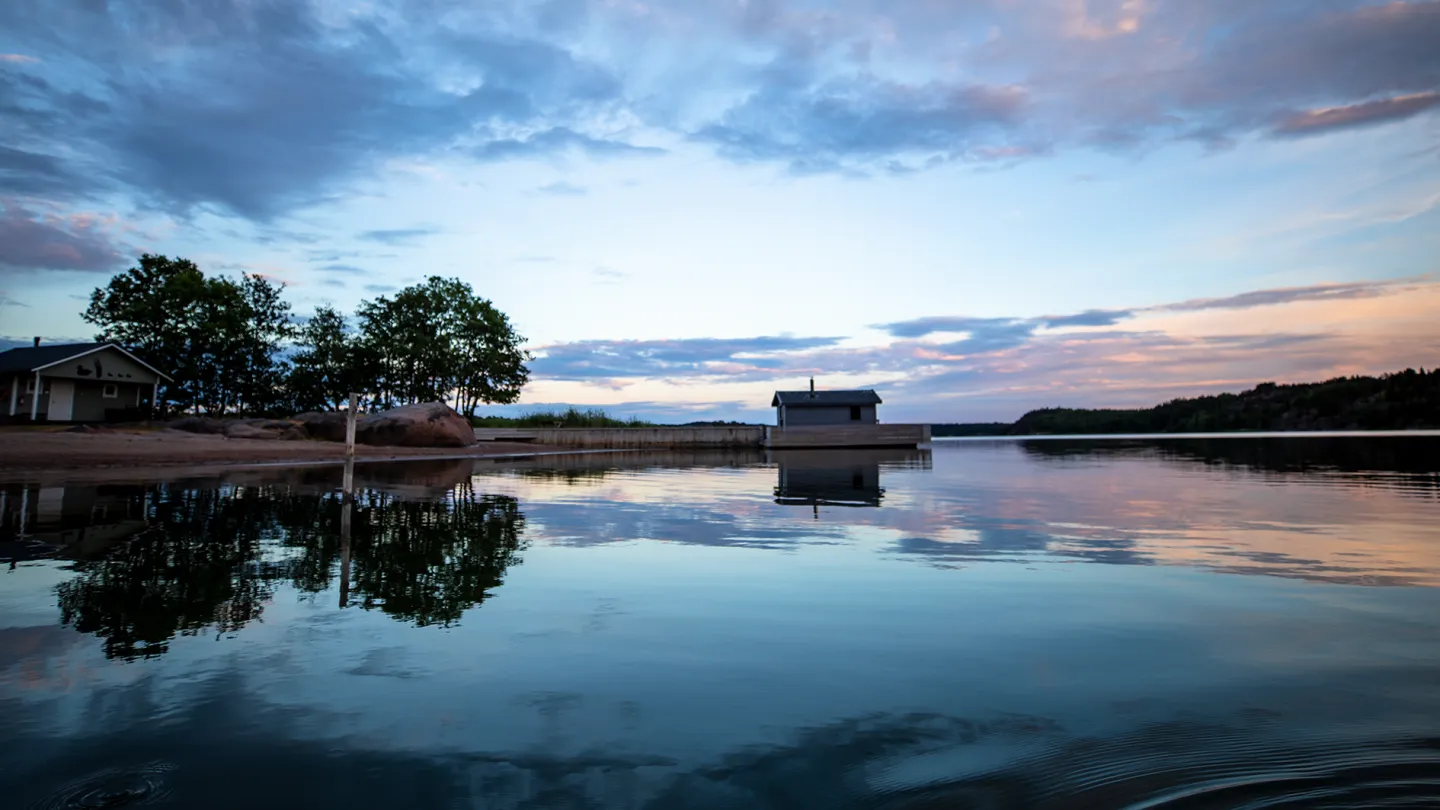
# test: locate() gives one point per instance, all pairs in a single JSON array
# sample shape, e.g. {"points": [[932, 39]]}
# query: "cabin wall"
{"points": [[827, 415], [107, 365], [91, 402], [22, 399]]}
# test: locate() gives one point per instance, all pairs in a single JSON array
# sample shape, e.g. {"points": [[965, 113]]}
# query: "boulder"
{"points": [[271, 424], [246, 430], [328, 425], [199, 424], [426, 424]]}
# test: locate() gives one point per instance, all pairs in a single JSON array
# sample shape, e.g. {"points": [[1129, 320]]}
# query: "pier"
{"points": [[726, 436]]}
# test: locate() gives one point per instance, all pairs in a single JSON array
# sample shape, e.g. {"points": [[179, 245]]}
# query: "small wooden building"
{"points": [[802, 408], [77, 382]]}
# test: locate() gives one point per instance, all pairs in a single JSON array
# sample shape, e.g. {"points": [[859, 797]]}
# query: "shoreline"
{"points": [[1232, 434], [27, 454]]}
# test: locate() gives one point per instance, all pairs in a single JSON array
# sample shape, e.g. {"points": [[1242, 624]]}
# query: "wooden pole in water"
{"points": [[350, 425], [347, 497]]}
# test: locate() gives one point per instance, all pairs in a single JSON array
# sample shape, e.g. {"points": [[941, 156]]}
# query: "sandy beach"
{"points": [[29, 450]]}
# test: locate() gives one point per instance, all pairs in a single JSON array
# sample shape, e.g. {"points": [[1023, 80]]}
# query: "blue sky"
{"points": [[977, 207]]}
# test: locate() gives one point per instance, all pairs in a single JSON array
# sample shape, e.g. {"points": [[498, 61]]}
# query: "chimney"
{"points": [[812, 380], [37, 342]]}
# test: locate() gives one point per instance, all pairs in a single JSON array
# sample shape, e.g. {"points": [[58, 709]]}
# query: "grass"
{"points": [[572, 417]]}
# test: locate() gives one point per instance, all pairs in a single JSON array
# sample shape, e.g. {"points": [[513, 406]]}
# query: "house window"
{"points": [[30, 385], [111, 391], [854, 413]]}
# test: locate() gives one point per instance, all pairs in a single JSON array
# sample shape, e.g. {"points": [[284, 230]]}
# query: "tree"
{"points": [[149, 309], [260, 383], [490, 365], [325, 368], [438, 340], [219, 339]]}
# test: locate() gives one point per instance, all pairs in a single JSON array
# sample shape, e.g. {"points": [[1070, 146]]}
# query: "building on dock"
{"points": [[805, 408]]}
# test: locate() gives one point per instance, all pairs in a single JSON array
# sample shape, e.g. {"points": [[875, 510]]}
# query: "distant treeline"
{"points": [[1405, 400], [570, 418], [577, 418]]}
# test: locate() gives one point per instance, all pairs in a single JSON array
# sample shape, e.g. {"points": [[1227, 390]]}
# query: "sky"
{"points": [[976, 207]]}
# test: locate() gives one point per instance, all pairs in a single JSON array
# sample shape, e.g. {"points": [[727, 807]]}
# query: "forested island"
{"points": [[1404, 400]]}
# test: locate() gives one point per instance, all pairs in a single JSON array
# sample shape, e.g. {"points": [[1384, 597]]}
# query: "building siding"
{"points": [[23, 400], [839, 415], [90, 404], [106, 365]]}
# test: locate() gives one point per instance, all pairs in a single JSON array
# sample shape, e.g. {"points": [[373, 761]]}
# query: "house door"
{"points": [[62, 401]]}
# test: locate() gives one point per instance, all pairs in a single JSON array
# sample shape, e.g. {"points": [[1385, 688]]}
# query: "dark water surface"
{"points": [[1186, 624]]}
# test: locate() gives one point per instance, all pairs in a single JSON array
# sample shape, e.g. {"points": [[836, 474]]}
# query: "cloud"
{"points": [[831, 125], [562, 189], [169, 105], [396, 236], [1066, 75], [1090, 317], [989, 334], [35, 173], [1003, 367], [606, 359], [380, 288], [186, 116], [1324, 119], [558, 139], [1285, 295], [30, 242], [607, 273], [344, 269]]}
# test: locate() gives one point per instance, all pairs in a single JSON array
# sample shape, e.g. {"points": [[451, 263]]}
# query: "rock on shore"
{"points": [[425, 424]]}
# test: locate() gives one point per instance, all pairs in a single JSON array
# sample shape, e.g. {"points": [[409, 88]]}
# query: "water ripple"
{"points": [[113, 787]]}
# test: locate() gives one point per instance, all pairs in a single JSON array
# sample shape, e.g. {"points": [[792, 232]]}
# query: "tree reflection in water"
{"points": [[209, 559]]}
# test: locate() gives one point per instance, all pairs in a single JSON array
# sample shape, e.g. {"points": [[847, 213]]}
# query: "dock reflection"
{"points": [[849, 478]]}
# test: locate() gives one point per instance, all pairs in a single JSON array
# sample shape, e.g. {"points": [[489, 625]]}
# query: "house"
{"points": [[76, 382], [800, 408]]}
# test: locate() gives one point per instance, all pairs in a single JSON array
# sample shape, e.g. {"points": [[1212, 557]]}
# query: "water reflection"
{"points": [[153, 562], [987, 625], [1409, 464], [847, 478], [921, 760]]}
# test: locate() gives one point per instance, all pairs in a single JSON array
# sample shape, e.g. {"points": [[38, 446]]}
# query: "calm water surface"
{"points": [[1232, 623]]}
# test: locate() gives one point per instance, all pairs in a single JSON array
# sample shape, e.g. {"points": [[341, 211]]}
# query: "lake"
{"points": [[984, 624]]}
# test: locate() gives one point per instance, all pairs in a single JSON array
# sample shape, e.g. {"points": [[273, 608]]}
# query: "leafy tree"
{"points": [[219, 339], [222, 341], [150, 310], [326, 366], [439, 341], [267, 324]]}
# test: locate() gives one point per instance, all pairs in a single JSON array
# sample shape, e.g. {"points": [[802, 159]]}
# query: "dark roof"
{"points": [[32, 358], [825, 399]]}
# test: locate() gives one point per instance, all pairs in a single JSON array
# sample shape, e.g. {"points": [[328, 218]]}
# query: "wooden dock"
{"points": [[847, 436], [761, 436]]}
